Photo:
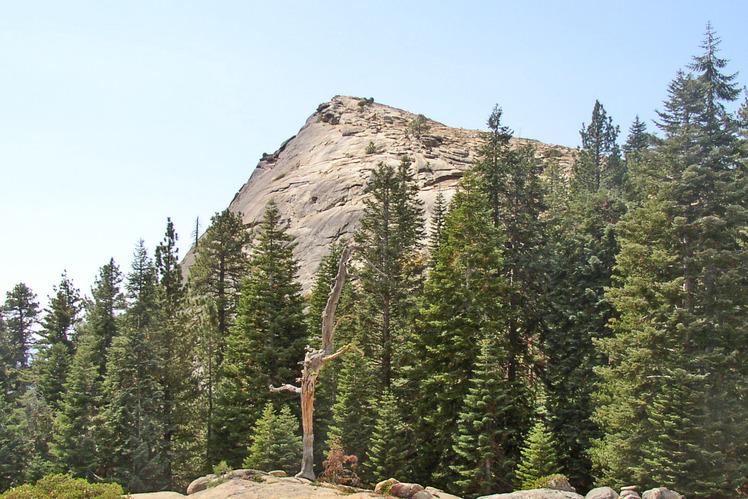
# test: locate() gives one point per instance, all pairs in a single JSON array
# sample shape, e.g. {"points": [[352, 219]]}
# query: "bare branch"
{"points": [[340, 352], [372, 266], [290, 388], [328, 316]]}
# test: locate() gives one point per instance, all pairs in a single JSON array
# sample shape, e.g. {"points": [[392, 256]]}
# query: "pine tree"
{"points": [[214, 282], [538, 456], [58, 341], [220, 265], [13, 448], [511, 178], [493, 161], [276, 441], [354, 412], [265, 346], [391, 449], [51, 368], [584, 247], [437, 222], [102, 315], [599, 164], [638, 140], [13, 445], [176, 341], [681, 293], [460, 308], [133, 424], [391, 233], [488, 440], [76, 425], [61, 316], [21, 312]]}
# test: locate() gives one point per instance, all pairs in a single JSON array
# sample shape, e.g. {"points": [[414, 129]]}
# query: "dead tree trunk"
{"points": [[314, 361]]}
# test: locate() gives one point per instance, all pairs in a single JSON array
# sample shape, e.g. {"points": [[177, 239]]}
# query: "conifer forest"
{"points": [[591, 323]]}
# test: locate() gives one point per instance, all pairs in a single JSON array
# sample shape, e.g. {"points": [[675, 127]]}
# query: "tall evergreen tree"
{"points": [[460, 309], [599, 164], [12, 439], [21, 312], [214, 282], [511, 178], [77, 424], [437, 222], [133, 419], [391, 450], [176, 342], [354, 411], [681, 295], [584, 246], [637, 141], [58, 341], [268, 340], [108, 302], [13, 443], [391, 233]]}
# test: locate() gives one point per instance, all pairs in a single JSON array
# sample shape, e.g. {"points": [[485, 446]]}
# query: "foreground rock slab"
{"points": [[158, 495], [536, 494], [266, 488], [602, 493]]}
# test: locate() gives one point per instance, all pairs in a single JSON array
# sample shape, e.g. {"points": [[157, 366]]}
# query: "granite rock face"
{"points": [[317, 178]]}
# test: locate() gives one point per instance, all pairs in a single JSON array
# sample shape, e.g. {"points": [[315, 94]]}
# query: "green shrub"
{"points": [[418, 126], [548, 482], [221, 468], [371, 148], [65, 487], [362, 103]]}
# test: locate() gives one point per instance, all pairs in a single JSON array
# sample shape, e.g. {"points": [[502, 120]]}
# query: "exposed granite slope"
{"points": [[317, 177]]}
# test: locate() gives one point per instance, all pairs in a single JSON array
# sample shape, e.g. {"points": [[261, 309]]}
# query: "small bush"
{"points": [[339, 468], [221, 469], [371, 148], [418, 126], [362, 103], [65, 487], [557, 481]]}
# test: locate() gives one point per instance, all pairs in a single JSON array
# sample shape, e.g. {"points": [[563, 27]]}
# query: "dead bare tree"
{"points": [[314, 361]]}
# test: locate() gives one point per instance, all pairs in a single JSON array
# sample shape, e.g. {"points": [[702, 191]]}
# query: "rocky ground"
{"points": [[250, 484]]}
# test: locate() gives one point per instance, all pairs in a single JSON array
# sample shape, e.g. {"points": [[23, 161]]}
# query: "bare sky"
{"points": [[117, 115]]}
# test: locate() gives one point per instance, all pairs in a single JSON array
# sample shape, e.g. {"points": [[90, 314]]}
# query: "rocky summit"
{"points": [[317, 178]]}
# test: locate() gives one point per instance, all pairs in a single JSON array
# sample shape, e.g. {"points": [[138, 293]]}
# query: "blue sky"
{"points": [[117, 115]]}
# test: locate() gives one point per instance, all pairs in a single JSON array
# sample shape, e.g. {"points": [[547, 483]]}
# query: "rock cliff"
{"points": [[317, 177]]}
